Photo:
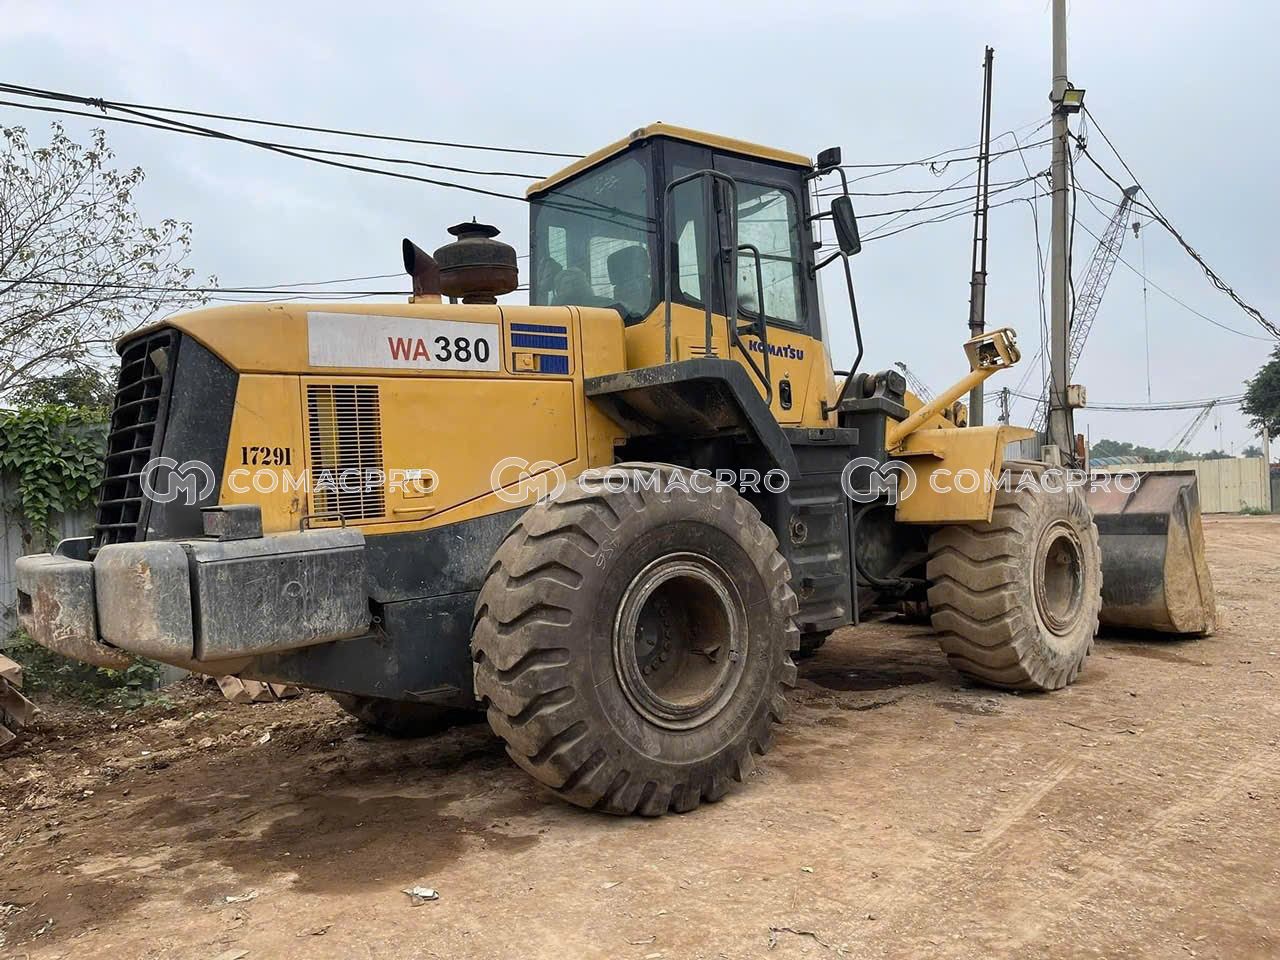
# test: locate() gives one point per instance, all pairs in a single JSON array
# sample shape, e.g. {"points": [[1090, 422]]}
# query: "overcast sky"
{"points": [[1186, 89]]}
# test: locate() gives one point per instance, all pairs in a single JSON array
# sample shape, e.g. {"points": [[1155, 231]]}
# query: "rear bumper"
{"points": [[189, 602]]}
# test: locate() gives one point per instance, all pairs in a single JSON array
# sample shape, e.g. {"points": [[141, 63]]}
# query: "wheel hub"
{"points": [[1059, 577], [679, 640]]}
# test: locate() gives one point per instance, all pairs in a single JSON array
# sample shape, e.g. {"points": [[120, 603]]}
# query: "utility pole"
{"points": [[981, 208], [1061, 426]]}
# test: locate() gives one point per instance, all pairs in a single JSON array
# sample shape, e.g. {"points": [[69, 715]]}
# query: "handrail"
{"points": [[717, 251], [731, 297], [760, 328]]}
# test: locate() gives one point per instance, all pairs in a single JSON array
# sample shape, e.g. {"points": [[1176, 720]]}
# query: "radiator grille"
{"points": [[137, 427], [344, 422]]}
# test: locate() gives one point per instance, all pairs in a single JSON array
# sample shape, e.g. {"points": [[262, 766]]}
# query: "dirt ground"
{"points": [[902, 813]]}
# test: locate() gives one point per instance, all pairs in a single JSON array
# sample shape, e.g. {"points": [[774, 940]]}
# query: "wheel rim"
{"points": [[1059, 581], [679, 641]]}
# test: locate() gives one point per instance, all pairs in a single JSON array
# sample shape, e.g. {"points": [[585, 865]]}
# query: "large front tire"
{"points": [[1015, 601], [633, 647]]}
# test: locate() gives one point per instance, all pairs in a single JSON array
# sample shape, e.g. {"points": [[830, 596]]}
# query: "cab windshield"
{"points": [[594, 240]]}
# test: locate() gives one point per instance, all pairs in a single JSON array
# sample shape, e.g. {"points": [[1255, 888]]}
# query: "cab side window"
{"points": [[768, 220]]}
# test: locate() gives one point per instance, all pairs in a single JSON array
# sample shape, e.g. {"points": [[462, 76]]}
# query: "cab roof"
{"points": [[715, 141]]}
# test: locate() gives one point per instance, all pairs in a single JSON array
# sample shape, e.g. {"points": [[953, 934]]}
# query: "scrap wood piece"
{"points": [[16, 710], [256, 691]]}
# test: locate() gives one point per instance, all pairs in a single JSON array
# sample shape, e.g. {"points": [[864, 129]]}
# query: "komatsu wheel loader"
{"points": [[610, 517]]}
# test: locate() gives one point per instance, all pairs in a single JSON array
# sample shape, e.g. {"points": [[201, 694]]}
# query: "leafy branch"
{"points": [[55, 454]]}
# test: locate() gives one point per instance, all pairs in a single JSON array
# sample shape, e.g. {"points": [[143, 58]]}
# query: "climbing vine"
{"points": [[54, 452]]}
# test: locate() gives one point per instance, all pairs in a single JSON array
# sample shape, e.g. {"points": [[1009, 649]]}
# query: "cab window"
{"points": [[768, 220], [593, 239]]}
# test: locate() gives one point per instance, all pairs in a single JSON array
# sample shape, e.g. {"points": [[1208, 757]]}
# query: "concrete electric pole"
{"points": [[1061, 426], [981, 210]]}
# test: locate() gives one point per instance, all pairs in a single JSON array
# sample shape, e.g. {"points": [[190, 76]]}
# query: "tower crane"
{"points": [[915, 383], [1089, 297], [1194, 426]]}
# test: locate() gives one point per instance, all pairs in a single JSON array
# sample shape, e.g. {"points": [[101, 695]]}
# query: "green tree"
{"points": [[85, 387], [1262, 396], [78, 266], [1253, 450]]}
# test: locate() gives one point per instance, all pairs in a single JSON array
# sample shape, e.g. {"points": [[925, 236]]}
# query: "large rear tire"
{"points": [[633, 646], [1015, 601]]}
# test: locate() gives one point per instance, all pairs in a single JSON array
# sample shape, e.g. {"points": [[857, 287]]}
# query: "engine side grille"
{"points": [[137, 427], [344, 423]]}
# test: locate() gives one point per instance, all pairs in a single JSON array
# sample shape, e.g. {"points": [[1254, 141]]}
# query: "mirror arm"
{"points": [[857, 332], [813, 270]]}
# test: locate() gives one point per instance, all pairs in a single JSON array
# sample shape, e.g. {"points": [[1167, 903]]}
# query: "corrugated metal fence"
{"points": [[13, 545], [1226, 486]]}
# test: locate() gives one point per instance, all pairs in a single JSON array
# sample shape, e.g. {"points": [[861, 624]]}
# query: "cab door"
{"points": [[771, 218]]}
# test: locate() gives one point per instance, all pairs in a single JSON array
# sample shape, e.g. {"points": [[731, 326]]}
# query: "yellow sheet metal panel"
{"points": [[442, 439], [396, 339], [951, 466], [445, 427], [265, 445], [792, 354], [686, 134], [604, 346]]}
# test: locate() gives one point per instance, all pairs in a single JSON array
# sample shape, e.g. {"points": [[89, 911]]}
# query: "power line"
{"points": [[966, 201], [942, 218], [169, 128], [898, 193], [104, 104], [177, 126], [144, 288], [1160, 218], [1155, 286], [1120, 407], [887, 168]]}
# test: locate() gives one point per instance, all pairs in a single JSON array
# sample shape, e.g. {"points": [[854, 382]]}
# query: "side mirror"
{"points": [[846, 222]]}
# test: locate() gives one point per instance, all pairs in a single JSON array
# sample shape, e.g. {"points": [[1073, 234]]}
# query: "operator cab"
{"points": [[596, 229]]}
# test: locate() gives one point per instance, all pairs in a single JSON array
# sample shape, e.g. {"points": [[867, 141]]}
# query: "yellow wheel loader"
{"points": [[610, 518]]}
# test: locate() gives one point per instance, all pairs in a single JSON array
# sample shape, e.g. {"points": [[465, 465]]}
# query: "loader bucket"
{"points": [[1154, 573]]}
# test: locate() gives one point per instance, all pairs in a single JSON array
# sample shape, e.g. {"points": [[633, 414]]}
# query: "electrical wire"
{"points": [[144, 288], [1160, 218], [943, 218], [177, 126], [887, 168], [835, 191], [1186, 306], [967, 201], [104, 104]]}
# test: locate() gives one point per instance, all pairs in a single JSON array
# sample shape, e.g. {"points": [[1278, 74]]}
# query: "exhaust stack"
{"points": [[425, 272]]}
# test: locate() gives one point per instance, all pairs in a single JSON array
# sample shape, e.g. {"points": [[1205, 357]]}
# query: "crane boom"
{"points": [[1194, 427], [1089, 298], [915, 383]]}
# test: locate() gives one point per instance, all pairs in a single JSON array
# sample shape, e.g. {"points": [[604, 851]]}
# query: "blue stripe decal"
{"points": [[549, 363], [538, 328], [545, 343]]}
